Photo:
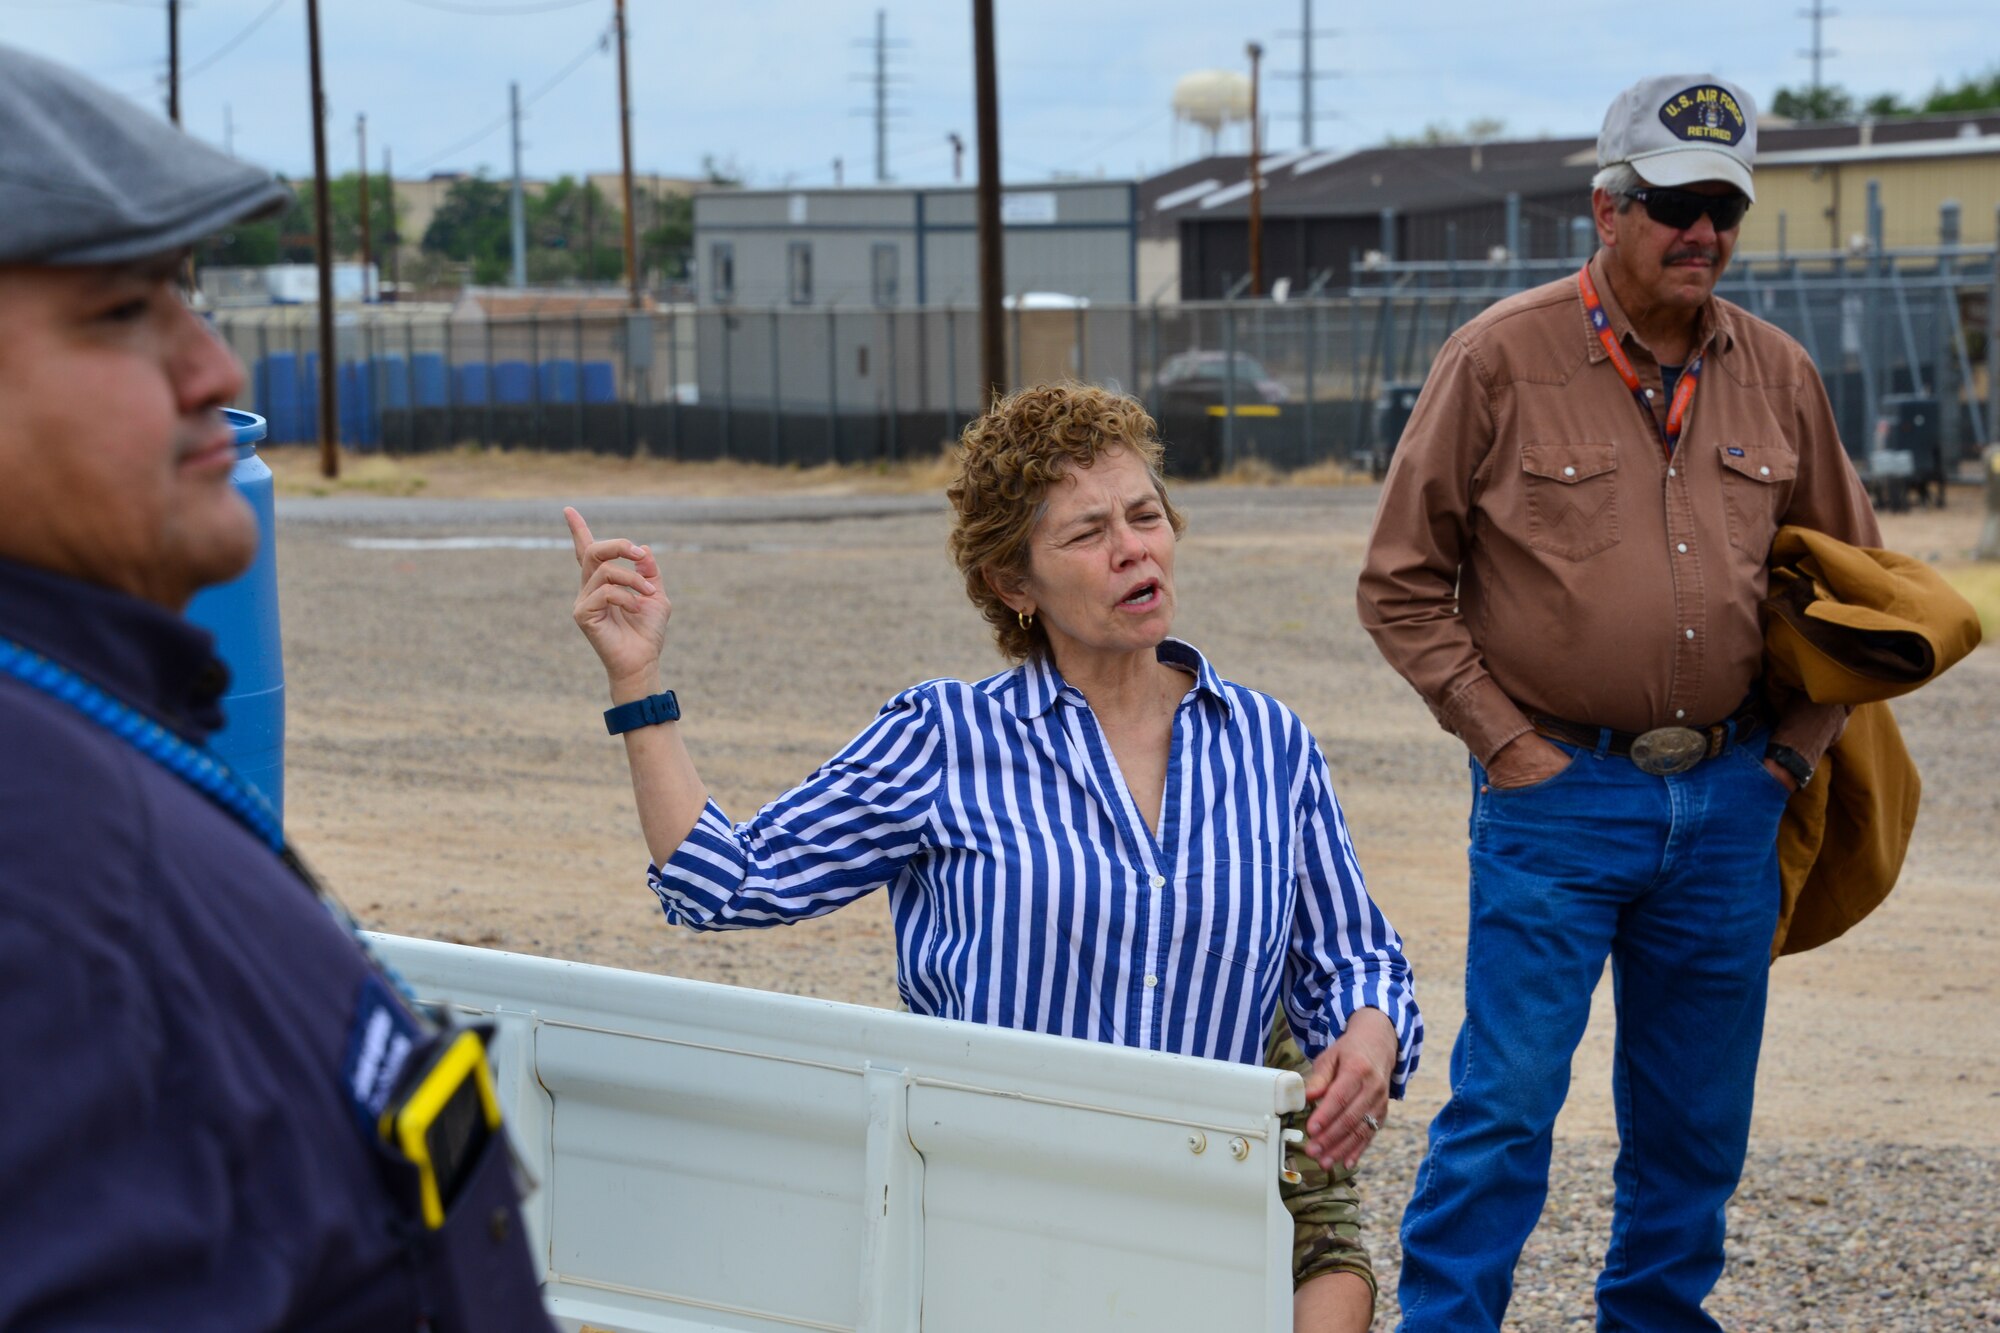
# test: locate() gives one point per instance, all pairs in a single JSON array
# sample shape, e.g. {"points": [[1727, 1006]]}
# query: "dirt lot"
{"points": [[449, 773]]}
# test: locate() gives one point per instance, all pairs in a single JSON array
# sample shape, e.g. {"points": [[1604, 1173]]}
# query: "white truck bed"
{"points": [[715, 1158]]}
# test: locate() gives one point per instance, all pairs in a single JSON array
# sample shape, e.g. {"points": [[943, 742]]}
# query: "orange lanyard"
{"points": [[1683, 392]]}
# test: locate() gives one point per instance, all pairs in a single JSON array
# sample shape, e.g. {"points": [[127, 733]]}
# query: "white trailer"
{"points": [[714, 1158]]}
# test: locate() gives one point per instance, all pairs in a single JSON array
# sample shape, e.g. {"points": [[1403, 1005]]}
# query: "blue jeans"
{"points": [[1676, 879]]}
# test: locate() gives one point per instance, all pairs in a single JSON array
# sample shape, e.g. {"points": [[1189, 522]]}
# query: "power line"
{"points": [[233, 42], [503, 11], [597, 44]]}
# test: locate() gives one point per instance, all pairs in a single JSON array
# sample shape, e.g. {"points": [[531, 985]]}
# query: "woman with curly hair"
{"points": [[1108, 840]]}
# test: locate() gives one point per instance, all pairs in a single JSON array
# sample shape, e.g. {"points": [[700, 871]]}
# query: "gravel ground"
{"points": [[448, 771]]}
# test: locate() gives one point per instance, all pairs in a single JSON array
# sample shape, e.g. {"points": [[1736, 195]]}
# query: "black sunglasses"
{"points": [[1681, 209]]}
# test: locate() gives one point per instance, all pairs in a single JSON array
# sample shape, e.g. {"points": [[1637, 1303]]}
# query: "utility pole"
{"points": [[881, 97], [367, 233], [878, 110], [517, 208], [986, 98], [395, 232], [957, 156], [329, 383], [1256, 53], [228, 130], [839, 177], [1306, 74], [625, 148], [174, 61], [1817, 52]]}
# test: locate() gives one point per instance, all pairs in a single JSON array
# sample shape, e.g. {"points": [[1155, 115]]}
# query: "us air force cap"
{"points": [[88, 178], [1678, 129]]}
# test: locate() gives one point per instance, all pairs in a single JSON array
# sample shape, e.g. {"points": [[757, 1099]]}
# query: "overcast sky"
{"points": [[773, 86]]}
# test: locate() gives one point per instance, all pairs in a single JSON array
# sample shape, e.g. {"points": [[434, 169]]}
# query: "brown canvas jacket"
{"points": [[1535, 551], [1849, 625]]}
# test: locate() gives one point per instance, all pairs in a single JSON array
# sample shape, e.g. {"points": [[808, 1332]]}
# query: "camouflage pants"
{"points": [[1325, 1208]]}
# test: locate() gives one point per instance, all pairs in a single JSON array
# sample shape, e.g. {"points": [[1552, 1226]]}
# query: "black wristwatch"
{"points": [[1785, 757]]}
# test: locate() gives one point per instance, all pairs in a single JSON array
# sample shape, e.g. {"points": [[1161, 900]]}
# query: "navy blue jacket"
{"points": [[176, 1149]]}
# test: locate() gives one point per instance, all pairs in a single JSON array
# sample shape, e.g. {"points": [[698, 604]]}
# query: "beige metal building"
{"points": [[1817, 198]]}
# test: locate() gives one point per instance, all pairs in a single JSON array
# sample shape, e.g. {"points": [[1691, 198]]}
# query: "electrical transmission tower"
{"points": [[1817, 53], [882, 78], [1306, 75]]}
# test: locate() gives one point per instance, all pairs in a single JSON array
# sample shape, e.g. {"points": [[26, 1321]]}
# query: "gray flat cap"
{"points": [[88, 178]]}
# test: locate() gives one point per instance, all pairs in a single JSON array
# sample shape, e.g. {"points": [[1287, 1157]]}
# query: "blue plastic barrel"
{"points": [[243, 616], [427, 380], [600, 382], [558, 381]]}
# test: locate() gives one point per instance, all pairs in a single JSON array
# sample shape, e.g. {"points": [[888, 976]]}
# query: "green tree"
{"points": [[574, 233], [288, 237], [1480, 129], [470, 227], [668, 245], [1978, 93], [1827, 102]]}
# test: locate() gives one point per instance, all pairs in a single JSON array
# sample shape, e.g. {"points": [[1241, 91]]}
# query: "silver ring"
{"points": [[1370, 1121]]}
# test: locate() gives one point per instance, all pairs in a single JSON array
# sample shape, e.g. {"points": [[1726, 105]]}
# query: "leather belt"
{"points": [[1663, 751]]}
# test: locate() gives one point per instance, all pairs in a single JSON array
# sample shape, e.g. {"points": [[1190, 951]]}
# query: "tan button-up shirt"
{"points": [[1536, 551]]}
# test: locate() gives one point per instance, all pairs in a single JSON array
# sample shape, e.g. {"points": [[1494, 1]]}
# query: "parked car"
{"points": [[1204, 376]]}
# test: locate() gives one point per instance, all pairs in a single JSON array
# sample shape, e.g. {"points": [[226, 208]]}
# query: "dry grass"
{"points": [[1980, 585]]}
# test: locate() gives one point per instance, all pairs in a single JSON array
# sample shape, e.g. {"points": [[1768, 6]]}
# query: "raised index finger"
{"points": [[579, 532]]}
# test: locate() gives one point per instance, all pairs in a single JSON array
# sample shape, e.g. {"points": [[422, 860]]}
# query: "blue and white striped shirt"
{"points": [[1027, 891]]}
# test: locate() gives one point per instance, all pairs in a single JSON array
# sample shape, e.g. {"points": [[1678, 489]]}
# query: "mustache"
{"points": [[1704, 252]]}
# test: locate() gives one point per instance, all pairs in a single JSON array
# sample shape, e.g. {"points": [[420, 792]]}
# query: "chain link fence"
{"points": [[1292, 384]]}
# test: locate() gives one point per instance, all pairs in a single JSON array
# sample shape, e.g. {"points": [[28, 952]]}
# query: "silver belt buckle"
{"points": [[1665, 751]]}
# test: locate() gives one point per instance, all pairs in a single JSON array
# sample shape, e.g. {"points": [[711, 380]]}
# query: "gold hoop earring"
{"points": [[1025, 619]]}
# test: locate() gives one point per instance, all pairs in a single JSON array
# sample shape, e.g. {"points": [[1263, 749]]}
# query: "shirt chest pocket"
{"points": [[1756, 489], [1572, 498], [1248, 907]]}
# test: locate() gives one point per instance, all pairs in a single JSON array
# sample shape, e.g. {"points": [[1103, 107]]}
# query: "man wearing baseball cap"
{"points": [[207, 1081], [1567, 565]]}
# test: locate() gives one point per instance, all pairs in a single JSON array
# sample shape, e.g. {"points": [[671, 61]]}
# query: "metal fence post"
{"points": [[895, 395], [450, 387], [1993, 336], [535, 375], [728, 382], [1944, 342], [777, 450], [674, 378], [950, 371], [371, 403], [1082, 371], [1356, 441], [832, 385], [1155, 349], [410, 379], [1871, 344], [1307, 451], [486, 398], [1229, 386], [577, 429]]}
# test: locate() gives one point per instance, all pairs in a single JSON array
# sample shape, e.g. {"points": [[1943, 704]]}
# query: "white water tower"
{"points": [[1211, 100]]}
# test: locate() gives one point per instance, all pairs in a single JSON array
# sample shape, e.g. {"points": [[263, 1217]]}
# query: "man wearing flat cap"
{"points": [[1567, 566], [199, 1060]]}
